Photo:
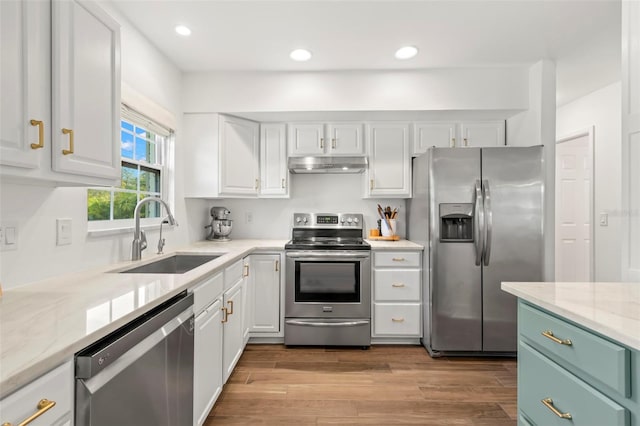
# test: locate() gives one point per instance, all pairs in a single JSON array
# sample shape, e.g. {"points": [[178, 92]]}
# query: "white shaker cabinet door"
{"points": [[480, 134], [345, 139], [306, 139], [389, 173], [233, 333], [86, 90], [239, 147], [207, 374], [25, 85], [428, 134], [265, 287], [274, 174]]}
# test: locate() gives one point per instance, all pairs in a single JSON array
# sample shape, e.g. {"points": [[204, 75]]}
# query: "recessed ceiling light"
{"points": [[300, 55], [182, 30], [406, 52]]}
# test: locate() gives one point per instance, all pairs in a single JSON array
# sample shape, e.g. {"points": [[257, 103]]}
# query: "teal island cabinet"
{"points": [[578, 353]]}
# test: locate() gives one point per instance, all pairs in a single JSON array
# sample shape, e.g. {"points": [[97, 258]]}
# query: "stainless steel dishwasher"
{"points": [[142, 373]]}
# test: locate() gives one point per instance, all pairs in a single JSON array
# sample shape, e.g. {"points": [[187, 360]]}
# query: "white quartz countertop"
{"points": [[44, 323], [611, 309]]}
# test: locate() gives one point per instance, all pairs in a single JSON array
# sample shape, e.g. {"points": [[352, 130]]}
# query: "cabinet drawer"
{"points": [[396, 319], [600, 358], [542, 379], [397, 285], [233, 273], [56, 385], [206, 292], [397, 259]]}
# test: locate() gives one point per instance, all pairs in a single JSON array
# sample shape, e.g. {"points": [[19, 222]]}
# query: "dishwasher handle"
{"points": [[95, 358]]}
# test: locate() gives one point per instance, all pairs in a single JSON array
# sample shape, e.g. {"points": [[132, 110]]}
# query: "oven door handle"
{"points": [[327, 324], [305, 255]]}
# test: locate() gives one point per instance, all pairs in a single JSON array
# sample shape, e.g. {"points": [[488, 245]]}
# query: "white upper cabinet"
{"points": [[321, 139], [222, 156], [345, 139], [86, 90], [306, 139], [60, 81], [239, 150], [448, 134], [274, 174], [389, 172], [25, 32]]}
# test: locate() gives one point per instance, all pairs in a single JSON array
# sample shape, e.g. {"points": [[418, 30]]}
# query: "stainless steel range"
{"points": [[328, 281]]}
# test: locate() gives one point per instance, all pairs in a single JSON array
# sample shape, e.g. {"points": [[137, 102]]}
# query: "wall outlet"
{"points": [[604, 219], [63, 232], [248, 216], [8, 236]]}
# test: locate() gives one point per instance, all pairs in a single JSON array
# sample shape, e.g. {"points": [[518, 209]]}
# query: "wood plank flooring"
{"points": [[399, 385]]}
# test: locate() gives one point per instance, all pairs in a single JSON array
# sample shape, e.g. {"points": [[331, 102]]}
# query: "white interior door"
{"points": [[574, 207]]}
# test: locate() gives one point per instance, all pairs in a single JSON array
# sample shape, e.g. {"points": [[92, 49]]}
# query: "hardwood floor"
{"points": [[399, 385]]}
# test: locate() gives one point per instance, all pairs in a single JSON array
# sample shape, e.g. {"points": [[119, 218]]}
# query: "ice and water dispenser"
{"points": [[456, 222]]}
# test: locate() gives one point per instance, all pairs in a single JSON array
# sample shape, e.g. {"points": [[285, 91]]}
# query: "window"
{"points": [[142, 148]]}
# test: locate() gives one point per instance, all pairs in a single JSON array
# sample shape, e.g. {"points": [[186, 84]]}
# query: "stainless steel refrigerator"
{"points": [[479, 214]]}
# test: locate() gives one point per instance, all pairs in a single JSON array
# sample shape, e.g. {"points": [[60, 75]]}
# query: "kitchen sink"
{"points": [[176, 264]]}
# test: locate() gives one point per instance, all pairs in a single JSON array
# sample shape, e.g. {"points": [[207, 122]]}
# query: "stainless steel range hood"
{"points": [[327, 164]]}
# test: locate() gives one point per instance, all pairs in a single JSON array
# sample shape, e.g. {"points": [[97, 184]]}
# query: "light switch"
{"points": [[604, 219], [9, 236], [63, 232]]}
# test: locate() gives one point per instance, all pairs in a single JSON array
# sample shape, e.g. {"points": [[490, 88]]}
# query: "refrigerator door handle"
{"points": [[478, 223], [488, 218]]}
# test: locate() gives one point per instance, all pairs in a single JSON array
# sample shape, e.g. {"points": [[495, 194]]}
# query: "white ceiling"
{"points": [[583, 36]]}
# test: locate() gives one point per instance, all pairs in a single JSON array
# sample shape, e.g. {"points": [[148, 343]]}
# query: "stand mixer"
{"points": [[220, 224]]}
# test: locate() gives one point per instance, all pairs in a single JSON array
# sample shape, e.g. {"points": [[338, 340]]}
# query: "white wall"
{"points": [[328, 193], [35, 209], [437, 89], [601, 109]]}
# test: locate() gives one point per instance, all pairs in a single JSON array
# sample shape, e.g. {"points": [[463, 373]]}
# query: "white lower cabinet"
{"points": [[207, 354], [233, 335], [247, 299], [50, 395], [266, 293], [397, 296], [207, 377]]}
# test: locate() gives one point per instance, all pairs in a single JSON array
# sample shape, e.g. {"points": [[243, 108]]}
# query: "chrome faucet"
{"points": [[139, 238]]}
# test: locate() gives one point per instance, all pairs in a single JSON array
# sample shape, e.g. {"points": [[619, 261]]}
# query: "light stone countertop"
{"points": [[611, 309], [44, 323]]}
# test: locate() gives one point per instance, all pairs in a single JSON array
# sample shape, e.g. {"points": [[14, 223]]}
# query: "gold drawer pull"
{"points": [[40, 125], [245, 273], [371, 185], [277, 265], [397, 285], [43, 406], [398, 259], [549, 335], [453, 143], [548, 402], [333, 143], [283, 185], [71, 148], [230, 303], [225, 315], [397, 319]]}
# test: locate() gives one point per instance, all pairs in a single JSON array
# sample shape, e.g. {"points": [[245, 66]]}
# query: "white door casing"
{"points": [[574, 207]]}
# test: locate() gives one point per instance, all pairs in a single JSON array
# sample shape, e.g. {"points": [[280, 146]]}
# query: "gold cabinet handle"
{"points": [[277, 265], [549, 335], [397, 319], [398, 259], [40, 125], [371, 184], [246, 271], [283, 183], [453, 142], [43, 406], [333, 143], [257, 184], [548, 402], [466, 142], [230, 303], [397, 285], [225, 315], [321, 143], [70, 133]]}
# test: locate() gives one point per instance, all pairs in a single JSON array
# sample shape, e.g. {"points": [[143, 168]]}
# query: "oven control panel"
{"points": [[327, 220]]}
